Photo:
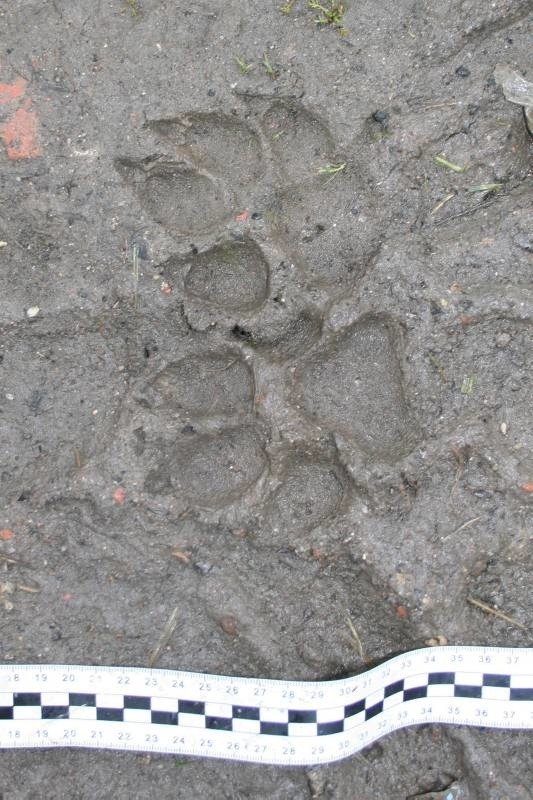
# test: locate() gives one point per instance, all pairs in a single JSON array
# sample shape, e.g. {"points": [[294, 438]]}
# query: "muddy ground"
{"points": [[279, 368]]}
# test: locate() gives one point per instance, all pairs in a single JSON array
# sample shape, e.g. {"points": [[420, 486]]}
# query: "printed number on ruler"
{"points": [[251, 719]]}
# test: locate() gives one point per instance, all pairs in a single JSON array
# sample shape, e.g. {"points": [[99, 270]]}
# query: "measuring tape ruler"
{"points": [[258, 720]]}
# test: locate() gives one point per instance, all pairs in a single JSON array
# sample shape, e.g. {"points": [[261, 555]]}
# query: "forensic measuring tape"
{"points": [[264, 721]]}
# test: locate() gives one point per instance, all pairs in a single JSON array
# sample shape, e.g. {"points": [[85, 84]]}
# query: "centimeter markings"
{"points": [[259, 720]]}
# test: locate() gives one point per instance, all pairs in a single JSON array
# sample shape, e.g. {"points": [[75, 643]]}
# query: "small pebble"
{"points": [[523, 240], [503, 339], [437, 641], [32, 312], [462, 72], [503, 428], [119, 495], [203, 567], [381, 116], [229, 625]]}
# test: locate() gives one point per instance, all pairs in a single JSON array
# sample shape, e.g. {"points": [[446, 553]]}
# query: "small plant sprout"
{"points": [[243, 66], [443, 162], [485, 187], [468, 384], [329, 13], [332, 169], [269, 68], [134, 7], [286, 8]]}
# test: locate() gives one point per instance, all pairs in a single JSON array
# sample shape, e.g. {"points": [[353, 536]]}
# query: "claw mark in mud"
{"points": [[219, 143]]}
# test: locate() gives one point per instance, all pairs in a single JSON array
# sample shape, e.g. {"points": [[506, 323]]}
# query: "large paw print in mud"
{"points": [[208, 167], [233, 275], [195, 186], [191, 437], [353, 385], [266, 239]]}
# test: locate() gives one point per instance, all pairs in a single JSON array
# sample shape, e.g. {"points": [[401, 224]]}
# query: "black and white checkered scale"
{"points": [[181, 712], [290, 722]]}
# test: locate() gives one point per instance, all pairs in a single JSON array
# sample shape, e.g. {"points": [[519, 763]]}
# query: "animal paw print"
{"points": [[192, 434], [263, 279], [310, 488], [353, 384], [196, 186], [212, 169], [234, 275]]}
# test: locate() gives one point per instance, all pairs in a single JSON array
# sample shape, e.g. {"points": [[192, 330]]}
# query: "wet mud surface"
{"points": [[279, 370]]}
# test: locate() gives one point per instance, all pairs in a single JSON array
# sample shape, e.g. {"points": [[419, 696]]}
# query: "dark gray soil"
{"points": [[267, 395]]}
